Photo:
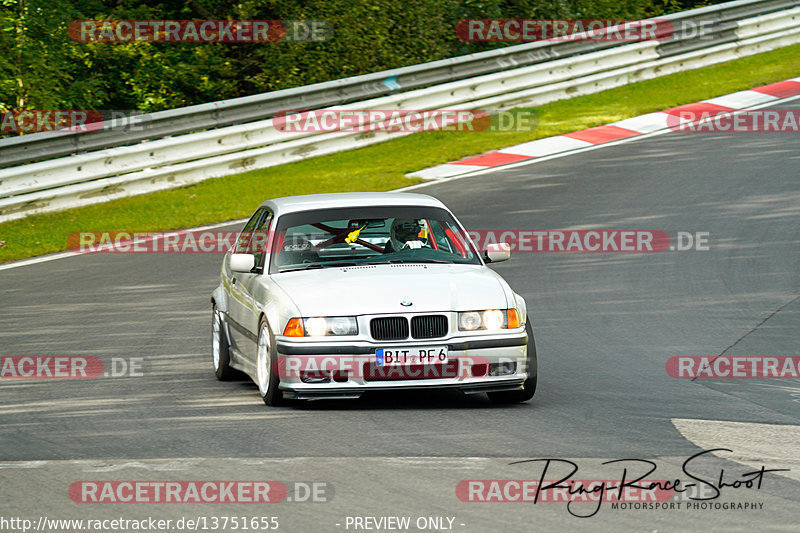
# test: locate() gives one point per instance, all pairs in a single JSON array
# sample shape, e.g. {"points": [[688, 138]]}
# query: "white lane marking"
{"points": [[35, 260], [753, 444], [63, 255], [23, 464], [169, 466], [237, 417], [447, 463], [278, 460]]}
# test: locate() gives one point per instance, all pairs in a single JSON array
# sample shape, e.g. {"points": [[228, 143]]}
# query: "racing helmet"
{"points": [[405, 230]]}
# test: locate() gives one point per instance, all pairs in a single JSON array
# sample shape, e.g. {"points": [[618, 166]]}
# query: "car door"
{"points": [[238, 303], [246, 307]]}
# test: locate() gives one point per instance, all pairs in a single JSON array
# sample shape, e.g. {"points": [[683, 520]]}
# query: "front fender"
{"points": [[522, 307], [220, 298], [277, 306]]}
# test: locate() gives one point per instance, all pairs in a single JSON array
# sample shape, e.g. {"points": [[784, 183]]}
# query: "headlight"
{"points": [[469, 321], [319, 326], [315, 327], [490, 320], [342, 325], [493, 319]]}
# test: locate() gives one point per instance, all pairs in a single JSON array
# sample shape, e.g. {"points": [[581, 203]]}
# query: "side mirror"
{"points": [[496, 252], [242, 262]]}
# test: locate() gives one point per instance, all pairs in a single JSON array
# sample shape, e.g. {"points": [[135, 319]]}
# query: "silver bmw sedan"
{"points": [[332, 295]]}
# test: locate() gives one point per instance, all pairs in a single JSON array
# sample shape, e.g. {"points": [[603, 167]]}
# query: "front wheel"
{"points": [[529, 386], [266, 375], [220, 348]]}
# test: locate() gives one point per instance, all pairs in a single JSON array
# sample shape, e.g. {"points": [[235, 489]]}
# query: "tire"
{"points": [[529, 386], [220, 348], [267, 379]]}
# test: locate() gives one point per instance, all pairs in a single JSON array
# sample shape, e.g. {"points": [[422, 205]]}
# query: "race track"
{"points": [[605, 325]]}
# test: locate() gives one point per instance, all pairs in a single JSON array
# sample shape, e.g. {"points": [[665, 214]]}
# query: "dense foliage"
{"points": [[42, 68]]}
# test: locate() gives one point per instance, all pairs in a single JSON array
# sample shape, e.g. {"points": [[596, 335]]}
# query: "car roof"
{"points": [[310, 202]]}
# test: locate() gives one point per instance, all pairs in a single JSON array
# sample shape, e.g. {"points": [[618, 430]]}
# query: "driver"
{"points": [[406, 233]]}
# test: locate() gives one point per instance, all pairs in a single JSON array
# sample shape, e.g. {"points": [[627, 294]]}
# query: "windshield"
{"points": [[369, 235]]}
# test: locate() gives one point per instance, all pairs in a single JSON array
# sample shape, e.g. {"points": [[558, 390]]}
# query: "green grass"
{"points": [[383, 166]]}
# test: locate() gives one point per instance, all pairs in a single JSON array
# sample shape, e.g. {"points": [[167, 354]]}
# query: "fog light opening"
{"points": [[502, 369], [314, 377]]}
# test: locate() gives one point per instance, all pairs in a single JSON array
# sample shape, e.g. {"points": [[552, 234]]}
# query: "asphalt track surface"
{"points": [[605, 325]]}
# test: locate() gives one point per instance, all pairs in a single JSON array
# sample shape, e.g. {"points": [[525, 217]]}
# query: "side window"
{"points": [[243, 240], [259, 238]]}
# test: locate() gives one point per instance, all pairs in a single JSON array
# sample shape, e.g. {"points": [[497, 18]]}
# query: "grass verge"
{"points": [[383, 166]]}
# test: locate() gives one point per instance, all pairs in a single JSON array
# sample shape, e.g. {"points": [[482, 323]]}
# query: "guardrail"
{"points": [[528, 74]]}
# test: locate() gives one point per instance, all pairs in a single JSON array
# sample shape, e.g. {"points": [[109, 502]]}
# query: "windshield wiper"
{"points": [[313, 266], [397, 261], [384, 262]]}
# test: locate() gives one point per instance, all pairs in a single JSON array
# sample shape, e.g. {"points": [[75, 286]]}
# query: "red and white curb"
{"points": [[623, 129]]}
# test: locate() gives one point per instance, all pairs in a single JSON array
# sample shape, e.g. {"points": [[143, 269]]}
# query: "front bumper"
{"points": [[328, 370]]}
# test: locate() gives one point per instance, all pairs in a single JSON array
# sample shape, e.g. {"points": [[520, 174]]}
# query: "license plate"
{"points": [[426, 355]]}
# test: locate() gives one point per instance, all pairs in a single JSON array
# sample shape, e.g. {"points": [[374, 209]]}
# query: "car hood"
{"points": [[379, 289]]}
